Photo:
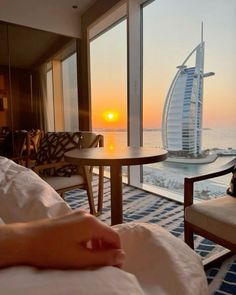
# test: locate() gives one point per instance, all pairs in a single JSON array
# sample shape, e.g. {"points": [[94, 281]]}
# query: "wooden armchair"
{"points": [[63, 176], [214, 219], [34, 138]]}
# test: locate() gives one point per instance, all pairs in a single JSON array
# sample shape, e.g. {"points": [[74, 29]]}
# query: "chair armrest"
{"points": [[189, 181], [20, 160], [222, 171], [208, 176], [56, 165]]}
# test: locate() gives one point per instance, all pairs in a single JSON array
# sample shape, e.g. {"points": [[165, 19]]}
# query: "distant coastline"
{"points": [[125, 130], [220, 141], [210, 158]]}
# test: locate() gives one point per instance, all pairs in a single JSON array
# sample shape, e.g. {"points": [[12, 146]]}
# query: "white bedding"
{"points": [[24, 196], [157, 263]]}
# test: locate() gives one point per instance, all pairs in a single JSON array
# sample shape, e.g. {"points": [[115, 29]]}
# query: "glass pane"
{"points": [[108, 85], [187, 109], [50, 103], [70, 93]]}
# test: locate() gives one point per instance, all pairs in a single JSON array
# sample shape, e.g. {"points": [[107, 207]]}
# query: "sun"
{"points": [[110, 116]]}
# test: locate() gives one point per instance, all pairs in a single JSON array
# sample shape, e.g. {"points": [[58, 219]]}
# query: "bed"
{"points": [[156, 262]]}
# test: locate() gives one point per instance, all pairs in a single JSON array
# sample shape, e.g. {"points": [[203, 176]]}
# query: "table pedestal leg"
{"points": [[116, 195]]}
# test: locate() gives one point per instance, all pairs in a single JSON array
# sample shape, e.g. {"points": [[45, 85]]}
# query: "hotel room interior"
{"points": [[37, 40]]}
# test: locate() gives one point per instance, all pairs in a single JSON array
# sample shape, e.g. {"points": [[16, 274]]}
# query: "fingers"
{"points": [[97, 244], [109, 238], [83, 227], [100, 234], [75, 232], [113, 257]]}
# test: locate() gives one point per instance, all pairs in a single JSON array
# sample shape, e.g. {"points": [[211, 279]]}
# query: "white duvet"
{"points": [[157, 263]]}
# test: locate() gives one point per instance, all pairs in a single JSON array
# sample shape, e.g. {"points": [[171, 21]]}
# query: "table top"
{"points": [[117, 156]]}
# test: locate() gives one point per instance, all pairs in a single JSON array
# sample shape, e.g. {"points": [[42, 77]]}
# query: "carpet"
{"points": [[142, 206]]}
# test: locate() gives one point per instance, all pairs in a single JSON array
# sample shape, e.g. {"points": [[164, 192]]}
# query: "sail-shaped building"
{"points": [[182, 113]]}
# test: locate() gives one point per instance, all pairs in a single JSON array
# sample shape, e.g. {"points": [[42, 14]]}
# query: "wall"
{"points": [[3, 93], [43, 15], [17, 116], [21, 99]]}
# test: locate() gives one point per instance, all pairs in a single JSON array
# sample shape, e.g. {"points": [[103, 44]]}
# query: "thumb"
{"points": [[113, 257]]}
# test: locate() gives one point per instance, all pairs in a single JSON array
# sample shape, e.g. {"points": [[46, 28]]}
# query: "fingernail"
{"points": [[120, 257]]}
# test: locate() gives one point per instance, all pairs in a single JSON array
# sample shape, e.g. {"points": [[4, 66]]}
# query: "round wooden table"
{"points": [[116, 158]]}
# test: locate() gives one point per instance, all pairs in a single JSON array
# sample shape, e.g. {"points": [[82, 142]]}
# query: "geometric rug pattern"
{"points": [[142, 206]]}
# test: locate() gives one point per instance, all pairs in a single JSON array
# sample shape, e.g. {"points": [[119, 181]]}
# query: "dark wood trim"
{"points": [[92, 14], [222, 171], [188, 192], [188, 235], [210, 236], [216, 258], [52, 51]]}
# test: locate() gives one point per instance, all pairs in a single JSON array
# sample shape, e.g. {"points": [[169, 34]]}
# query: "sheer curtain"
{"points": [[39, 98]]}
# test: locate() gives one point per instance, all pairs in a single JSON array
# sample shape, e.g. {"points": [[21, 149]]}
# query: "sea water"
{"points": [[169, 175]]}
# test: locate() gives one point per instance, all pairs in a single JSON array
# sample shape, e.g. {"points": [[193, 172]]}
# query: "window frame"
{"points": [[55, 65]]}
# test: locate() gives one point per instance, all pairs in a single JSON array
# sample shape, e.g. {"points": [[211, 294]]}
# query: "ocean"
{"points": [[211, 138], [170, 176]]}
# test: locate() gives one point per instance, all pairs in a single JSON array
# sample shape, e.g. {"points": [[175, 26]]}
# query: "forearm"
{"points": [[60, 243], [27, 244], [13, 244]]}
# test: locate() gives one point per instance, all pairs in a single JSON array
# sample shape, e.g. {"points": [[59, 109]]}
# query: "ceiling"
{"points": [[29, 46], [58, 16]]}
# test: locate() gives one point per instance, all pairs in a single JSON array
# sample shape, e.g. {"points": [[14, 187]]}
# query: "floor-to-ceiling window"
{"points": [[109, 84], [172, 29], [62, 92], [70, 93], [185, 74], [50, 103]]}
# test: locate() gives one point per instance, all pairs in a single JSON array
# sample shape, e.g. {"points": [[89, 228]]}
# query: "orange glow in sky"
{"points": [[111, 116], [167, 39]]}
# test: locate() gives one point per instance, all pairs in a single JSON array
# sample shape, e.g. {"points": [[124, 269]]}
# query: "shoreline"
{"points": [[174, 183], [210, 158], [206, 160]]}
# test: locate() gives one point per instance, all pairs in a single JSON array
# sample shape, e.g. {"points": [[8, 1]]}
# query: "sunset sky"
{"points": [[171, 29]]}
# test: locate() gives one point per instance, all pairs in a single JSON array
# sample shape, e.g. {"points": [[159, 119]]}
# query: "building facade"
{"points": [[182, 113]]}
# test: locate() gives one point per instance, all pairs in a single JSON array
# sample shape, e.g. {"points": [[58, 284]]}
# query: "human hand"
{"points": [[76, 240]]}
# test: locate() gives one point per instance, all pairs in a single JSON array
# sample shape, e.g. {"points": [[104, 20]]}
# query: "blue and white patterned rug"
{"points": [[142, 206]]}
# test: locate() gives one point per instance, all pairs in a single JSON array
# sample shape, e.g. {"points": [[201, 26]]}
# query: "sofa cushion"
{"points": [[63, 182], [217, 216]]}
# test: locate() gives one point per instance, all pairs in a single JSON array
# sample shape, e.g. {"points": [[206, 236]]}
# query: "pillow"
{"points": [[232, 186], [24, 196], [161, 262]]}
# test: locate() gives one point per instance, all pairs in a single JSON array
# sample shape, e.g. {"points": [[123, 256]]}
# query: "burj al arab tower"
{"points": [[182, 114]]}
